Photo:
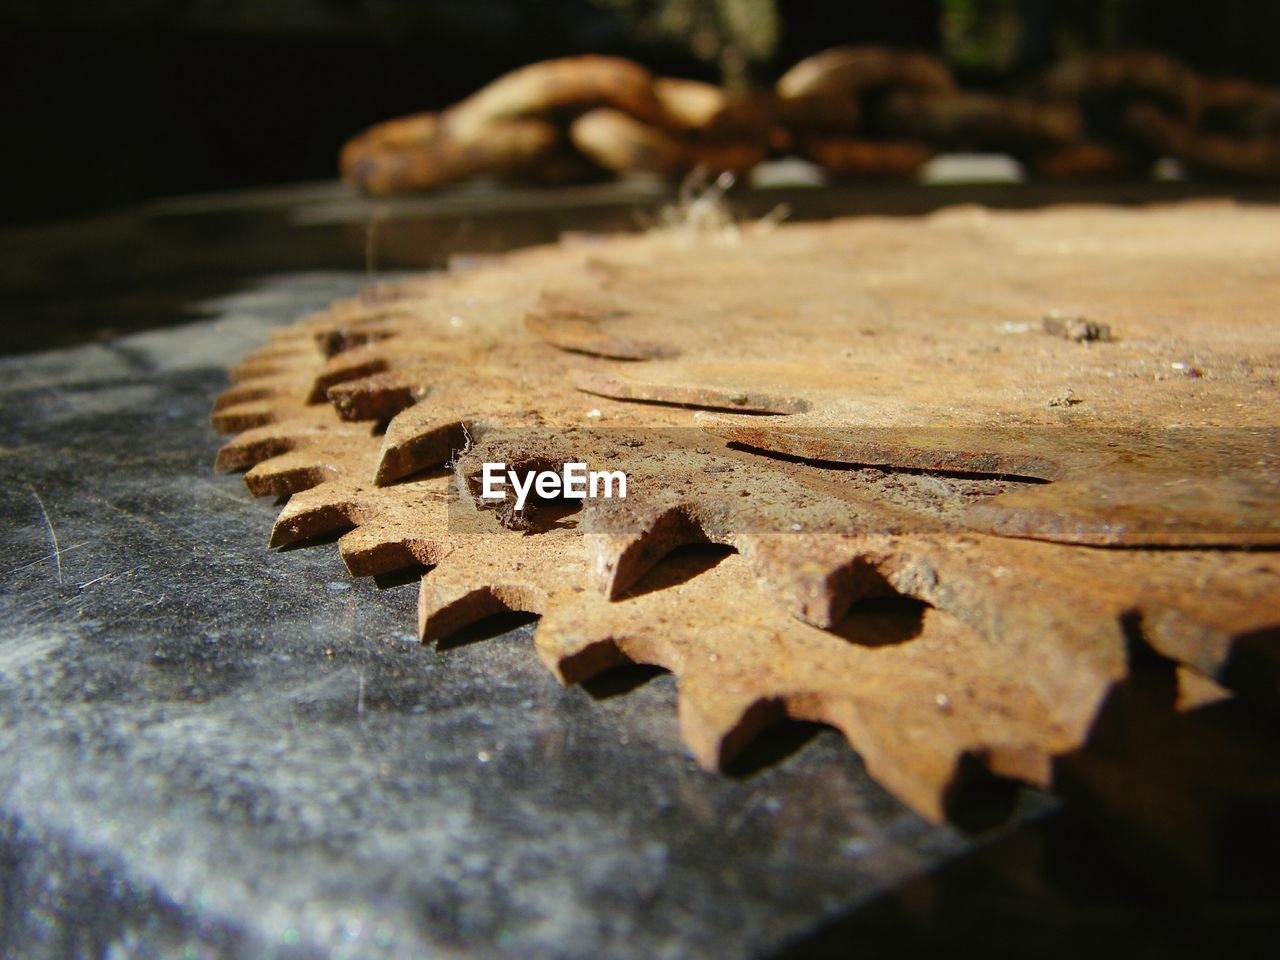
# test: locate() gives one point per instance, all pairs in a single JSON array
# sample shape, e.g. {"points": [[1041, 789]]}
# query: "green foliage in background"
{"points": [[981, 34], [732, 34]]}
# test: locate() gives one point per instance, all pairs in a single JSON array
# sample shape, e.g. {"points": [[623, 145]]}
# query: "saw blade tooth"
{"points": [[294, 427], [930, 754], [981, 581], [444, 609], [717, 722], [1195, 690], [238, 417], [373, 302], [346, 314], [321, 509], [977, 580], [913, 689], [289, 472], [278, 360], [279, 389], [619, 560], [283, 342], [372, 548], [379, 396], [362, 309], [525, 574], [357, 335], [265, 368], [919, 745], [345, 366], [252, 447], [815, 577], [582, 637], [1219, 630], [918, 769], [294, 336], [417, 438], [573, 658]]}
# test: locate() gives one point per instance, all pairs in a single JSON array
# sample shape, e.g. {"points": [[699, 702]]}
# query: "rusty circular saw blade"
{"points": [[930, 550]]}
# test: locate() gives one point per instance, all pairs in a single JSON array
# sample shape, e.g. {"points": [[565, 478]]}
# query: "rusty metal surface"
{"points": [[210, 750], [943, 517]]}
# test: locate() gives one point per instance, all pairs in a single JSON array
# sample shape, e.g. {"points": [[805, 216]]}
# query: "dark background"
{"points": [[108, 102]]}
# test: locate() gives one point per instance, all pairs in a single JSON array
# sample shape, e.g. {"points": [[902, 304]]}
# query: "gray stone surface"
{"points": [[210, 749]]}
